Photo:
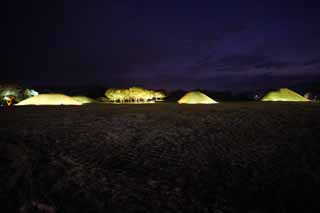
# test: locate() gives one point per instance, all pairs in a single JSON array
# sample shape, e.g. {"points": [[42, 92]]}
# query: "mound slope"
{"points": [[196, 97], [283, 94], [50, 99], [84, 99]]}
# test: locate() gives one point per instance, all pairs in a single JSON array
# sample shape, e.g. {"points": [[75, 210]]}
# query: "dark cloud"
{"points": [[230, 63], [273, 65], [312, 62], [161, 43]]}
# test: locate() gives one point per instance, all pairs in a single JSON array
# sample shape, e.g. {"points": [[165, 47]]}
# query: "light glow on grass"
{"points": [[84, 99]]}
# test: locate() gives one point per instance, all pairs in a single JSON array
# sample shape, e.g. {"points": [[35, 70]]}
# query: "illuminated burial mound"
{"points": [[50, 99], [196, 97], [283, 94], [84, 99]]}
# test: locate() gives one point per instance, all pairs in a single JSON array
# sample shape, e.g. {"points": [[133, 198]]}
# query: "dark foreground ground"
{"points": [[229, 157]]}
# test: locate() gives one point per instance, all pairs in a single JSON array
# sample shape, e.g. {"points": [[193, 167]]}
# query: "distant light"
{"points": [[34, 93], [30, 93]]}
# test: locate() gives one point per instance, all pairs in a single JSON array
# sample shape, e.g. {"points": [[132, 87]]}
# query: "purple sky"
{"points": [[206, 44]]}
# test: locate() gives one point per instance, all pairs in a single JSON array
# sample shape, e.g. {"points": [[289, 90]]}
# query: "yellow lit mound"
{"points": [[49, 99], [283, 95], [84, 99], [196, 97]]}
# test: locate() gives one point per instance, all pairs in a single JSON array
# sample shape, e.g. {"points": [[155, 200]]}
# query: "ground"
{"points": [[227, 157]]}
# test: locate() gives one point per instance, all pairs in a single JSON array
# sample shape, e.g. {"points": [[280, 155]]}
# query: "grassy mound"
{"points": [[49, 99], [284, 95], [196, 97]]}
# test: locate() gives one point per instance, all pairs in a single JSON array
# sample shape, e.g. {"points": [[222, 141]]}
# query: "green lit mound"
{"points": [[283, 94], [84, 99], [196, 97], [50, 99]]}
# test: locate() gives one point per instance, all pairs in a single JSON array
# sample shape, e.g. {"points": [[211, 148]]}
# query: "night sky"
{"points": [[205, 44]]}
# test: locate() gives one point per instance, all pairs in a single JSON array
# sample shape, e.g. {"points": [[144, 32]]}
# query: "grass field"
{"points": [[228, 157]]}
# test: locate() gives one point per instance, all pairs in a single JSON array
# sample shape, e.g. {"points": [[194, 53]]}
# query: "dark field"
{"points": [[229, 157]]}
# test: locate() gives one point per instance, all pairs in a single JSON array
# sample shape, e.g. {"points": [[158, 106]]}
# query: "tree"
{"points": [[159, 95], [30, 93], [110, 94], [133, 94], [12, 90], [115, 95]]}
